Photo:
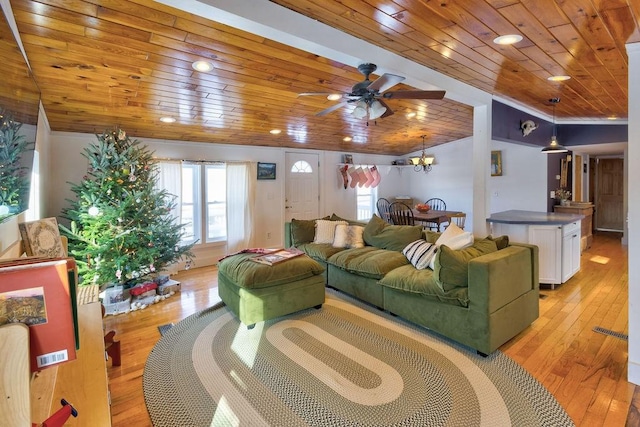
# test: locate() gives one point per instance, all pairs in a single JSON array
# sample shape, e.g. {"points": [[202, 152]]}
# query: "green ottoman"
{"points": [[256, 292]]}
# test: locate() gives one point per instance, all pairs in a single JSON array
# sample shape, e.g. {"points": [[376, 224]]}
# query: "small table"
{"points": [[433, 215]]}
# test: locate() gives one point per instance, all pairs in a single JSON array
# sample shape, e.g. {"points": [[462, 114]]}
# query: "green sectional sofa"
{"points": [[481, 296]]}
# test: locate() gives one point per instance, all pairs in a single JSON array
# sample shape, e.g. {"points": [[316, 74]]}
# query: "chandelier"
{"points": [[424, 162]]}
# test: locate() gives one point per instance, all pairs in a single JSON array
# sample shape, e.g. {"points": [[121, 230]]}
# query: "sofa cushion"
{"points": [[348, 236], [325, 230], [452, 266], [419, 253], [431, 236], [368, 261], [303, 230], [410, 279], [319, 251], [382, 235], [244, 272]]}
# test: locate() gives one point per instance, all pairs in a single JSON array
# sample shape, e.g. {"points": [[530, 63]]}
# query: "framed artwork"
{"points": [[266, 170], [348, 159], [496, 163]]}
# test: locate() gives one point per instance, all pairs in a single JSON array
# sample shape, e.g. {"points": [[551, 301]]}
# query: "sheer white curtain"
{"points": [[240, 205], [170, 179]]}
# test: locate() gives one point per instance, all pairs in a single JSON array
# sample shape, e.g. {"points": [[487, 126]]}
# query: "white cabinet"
{"points": [[548, 238], [570, 250], [558, 247]]}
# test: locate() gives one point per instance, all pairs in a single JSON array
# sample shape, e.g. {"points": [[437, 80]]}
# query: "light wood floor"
{"points": [[585, 370]]}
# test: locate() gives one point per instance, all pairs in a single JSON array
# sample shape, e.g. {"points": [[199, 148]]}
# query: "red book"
{"points": [[38, 295]]}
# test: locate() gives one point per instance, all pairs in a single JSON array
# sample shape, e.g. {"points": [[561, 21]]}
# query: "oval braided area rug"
{"points": [[346, 364]]}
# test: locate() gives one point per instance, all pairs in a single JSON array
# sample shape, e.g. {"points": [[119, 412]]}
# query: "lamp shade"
{"points": [[360, 112], [376, 110], [554, 147]]}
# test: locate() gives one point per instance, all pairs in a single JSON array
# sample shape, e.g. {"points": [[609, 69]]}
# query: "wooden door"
{"points": [[609, 198], [577, 178], [302, 186]]}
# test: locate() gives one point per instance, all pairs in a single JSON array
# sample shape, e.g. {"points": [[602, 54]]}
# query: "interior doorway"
{"points": [[609, 198]]}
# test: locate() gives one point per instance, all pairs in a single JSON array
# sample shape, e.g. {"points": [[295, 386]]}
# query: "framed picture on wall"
{"points": [[266, 170], [496, 163]]}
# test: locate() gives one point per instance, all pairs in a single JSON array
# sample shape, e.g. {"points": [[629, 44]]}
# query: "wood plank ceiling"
{"points": [[105, 63]]}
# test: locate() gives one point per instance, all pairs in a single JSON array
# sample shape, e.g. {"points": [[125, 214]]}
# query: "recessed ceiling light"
{"points": [[508, 39], [334, 97], [275, 131], [558, 78], [167, 119], [411, 115], [202, 66], [612, 118], [347, 139]]}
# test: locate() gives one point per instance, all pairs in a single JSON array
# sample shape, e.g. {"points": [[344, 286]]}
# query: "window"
{"points": [[366, 199], [301, 167], [204, 202]]}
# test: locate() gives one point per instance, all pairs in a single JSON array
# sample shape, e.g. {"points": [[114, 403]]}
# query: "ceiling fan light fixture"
{"points": [[508, 39], [360, 112], [376, 110]]}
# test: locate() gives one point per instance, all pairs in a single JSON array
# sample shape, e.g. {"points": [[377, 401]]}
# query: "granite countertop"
{"points": [[531, 217]]}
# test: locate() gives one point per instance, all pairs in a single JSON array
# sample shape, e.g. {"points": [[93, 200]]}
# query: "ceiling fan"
{"points": [[369, 97]]}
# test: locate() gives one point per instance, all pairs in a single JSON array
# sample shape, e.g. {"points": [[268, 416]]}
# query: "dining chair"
{"points": [[459, 219], [383, 209], [401, 214], [437, 205]]}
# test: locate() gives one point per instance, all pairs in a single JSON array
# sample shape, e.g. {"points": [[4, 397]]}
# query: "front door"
{"points": [[301, 186], [609, 199]]}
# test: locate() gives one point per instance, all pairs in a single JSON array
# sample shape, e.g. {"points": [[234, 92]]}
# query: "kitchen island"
{"points": [[557, 236]]}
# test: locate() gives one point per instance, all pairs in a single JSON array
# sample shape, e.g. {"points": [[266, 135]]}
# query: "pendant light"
{"points": [[554, 146]]}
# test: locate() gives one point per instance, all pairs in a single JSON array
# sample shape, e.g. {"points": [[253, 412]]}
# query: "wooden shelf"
{"points": [[82, 382]]}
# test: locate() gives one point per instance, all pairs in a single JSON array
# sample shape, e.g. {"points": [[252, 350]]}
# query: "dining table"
{"points": [[433, 216]]}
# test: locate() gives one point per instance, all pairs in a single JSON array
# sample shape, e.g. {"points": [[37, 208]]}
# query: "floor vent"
{"points": [[612, 333], [165, 328]]}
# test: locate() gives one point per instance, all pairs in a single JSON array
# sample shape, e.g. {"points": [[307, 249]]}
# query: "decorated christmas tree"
{"points": [[121, 227], [14, 175]]}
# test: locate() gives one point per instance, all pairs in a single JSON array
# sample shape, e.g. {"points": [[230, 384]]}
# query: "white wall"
{"points": [[523, 184]]}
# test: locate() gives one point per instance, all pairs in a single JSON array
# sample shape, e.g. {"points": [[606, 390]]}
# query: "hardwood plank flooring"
{"points": [[585, 370]]}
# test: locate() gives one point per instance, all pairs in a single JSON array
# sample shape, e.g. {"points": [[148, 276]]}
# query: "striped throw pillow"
{"points": [[419, 253]]}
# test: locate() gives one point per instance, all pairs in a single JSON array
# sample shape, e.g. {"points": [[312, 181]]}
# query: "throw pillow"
{"points": [[303, 231], [373, 227], [419, 253], [325, 230], [452, 269], [501, 241], [455, 238], [348, 236]]}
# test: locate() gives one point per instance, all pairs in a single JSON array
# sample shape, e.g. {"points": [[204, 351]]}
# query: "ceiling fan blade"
{"points": [[318, 93], [331, 109], [389, 110], [385, 82], [415, 94]]}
